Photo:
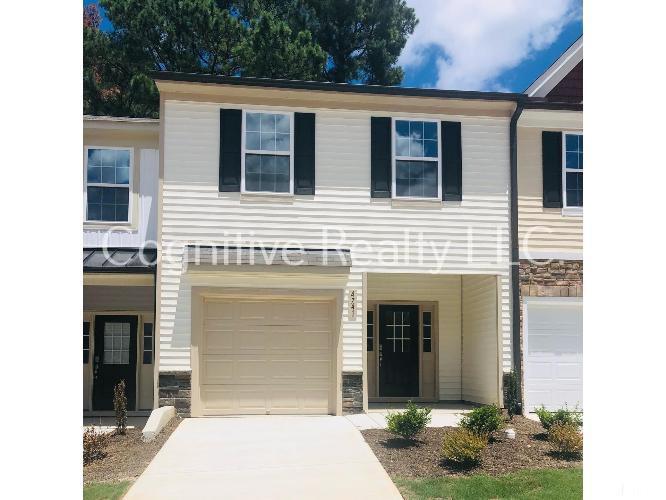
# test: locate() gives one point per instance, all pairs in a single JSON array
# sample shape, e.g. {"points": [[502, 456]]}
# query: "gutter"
{"points": [[515, 258]]}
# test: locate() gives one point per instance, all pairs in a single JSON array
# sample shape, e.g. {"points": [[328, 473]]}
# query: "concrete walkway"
{"points": [[443, 415], [276, 457]]}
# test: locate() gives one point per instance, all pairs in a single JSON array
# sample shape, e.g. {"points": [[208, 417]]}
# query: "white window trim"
{"points": [[290, 114], [395, 158], [567, 210], [130, 186]]}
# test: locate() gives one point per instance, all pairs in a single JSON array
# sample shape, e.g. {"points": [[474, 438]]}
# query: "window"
{"points": [[399, 331], [370, 329], [267, 152], [572, 171], [147, 343], [416, 159], [116, 343], [86, 342], [427, 331], [108, 184]]}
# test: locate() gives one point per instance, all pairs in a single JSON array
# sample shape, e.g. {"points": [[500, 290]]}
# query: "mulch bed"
{"points": [[530, 450], [127, 456]]}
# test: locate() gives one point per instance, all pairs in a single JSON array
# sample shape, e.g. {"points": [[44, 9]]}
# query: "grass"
{"points": [[551, 484], [105, 491]]}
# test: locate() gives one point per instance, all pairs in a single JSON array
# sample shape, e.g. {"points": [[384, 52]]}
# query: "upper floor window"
{"points": [[416, 159], [267, 152], [108, 184], [572, 171]]}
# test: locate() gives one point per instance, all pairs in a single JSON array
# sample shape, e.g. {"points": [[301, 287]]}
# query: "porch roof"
{"points": [[119, 260]]}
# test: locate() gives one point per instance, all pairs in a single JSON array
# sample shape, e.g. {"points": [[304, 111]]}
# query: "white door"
{"points": [[266, 357], [553, 350]]}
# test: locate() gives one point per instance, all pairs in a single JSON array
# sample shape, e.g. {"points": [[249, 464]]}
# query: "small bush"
{"points": [[94, 444], [561, 416], [410, 422], [566, 438], [120, 407], [483, 421], [463, 447], [513, 404]]}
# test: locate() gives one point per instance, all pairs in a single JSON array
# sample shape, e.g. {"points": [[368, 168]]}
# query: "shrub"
{"points": [[408, 423], [513, 404], [483, 421], [561, 416], [120, 407], [463, 446], [94, 444], [566, 438]]}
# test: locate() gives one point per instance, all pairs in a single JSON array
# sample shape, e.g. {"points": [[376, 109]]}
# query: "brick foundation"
{"points": [[175, 389], [352, 393]]}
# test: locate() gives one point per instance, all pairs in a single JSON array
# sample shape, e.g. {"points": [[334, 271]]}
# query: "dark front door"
{"points": [[115, 359], [398, 351]]}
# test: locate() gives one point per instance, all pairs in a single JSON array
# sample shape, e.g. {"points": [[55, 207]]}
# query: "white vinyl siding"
{"points": [[541, 231], [473, 234], [480, 370]]}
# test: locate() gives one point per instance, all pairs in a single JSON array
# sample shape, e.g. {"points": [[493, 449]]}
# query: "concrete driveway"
{"points": [[265, 457]]}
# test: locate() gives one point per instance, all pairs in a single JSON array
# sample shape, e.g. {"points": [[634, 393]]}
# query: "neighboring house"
{"points": [[403, 289], [550, 209], [120, 162]]}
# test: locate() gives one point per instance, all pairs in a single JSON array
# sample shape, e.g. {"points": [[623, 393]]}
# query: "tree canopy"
{"points": [[325, 40]]}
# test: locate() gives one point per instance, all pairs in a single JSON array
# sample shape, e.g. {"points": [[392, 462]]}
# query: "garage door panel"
{"points": [[266, 357], [554, 359], [219, 310]]}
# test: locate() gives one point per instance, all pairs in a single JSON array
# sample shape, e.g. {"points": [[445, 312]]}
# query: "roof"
{"points": [[263, 256], [119, 260], [123, 123], [557, 71], [334, 87]]}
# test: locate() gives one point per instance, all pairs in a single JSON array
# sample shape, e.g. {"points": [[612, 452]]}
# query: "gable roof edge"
{"points": [[557, 71]]}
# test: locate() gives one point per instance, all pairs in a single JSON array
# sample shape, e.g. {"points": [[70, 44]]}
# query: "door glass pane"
{"points": [[116, 343]]}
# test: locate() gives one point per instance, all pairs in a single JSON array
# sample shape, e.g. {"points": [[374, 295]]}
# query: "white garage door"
{"points": [[266, 357], [553, 353]]}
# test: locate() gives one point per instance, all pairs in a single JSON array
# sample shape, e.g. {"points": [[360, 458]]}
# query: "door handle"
{"points": [[95, 367]]}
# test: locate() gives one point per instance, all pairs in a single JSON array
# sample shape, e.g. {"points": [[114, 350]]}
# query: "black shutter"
{"points": [[304, 153], [451, 161], [230, 149], [551, 157], [380, 157]]}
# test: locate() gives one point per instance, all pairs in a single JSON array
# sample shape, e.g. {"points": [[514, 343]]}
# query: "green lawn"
{"points": [[105, 491], [551, 484]]}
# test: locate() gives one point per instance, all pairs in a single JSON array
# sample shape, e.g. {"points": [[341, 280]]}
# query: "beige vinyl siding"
{"points": [[480, 371], [473, 234], [541, 230]]}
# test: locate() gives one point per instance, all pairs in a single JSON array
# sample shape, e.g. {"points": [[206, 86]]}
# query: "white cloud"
{"points": [[481, 39]]}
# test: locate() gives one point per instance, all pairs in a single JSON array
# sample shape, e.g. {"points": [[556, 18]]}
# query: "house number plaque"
{"points": [[352, 305]]}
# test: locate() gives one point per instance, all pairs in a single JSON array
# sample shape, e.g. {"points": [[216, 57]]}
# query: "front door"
{"points": [[398, 351], [115, 359]]}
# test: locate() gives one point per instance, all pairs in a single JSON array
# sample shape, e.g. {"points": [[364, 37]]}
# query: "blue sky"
{"points": [[501, 45]]}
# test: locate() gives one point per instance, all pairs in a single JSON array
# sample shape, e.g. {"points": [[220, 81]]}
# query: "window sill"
{"points": [[416, 202], [267, 197], [98, 224], [572, 211]]}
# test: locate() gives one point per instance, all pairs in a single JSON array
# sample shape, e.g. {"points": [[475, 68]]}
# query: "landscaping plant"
{"points": [[94, 444], [513, 404], [463, 446], [561, 416], [408, 423], [483, 420], [566, 438], [120, 407]]}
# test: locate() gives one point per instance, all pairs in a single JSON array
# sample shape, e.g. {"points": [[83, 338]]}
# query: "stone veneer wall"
{"points": [[352, 393], [175, 389]]}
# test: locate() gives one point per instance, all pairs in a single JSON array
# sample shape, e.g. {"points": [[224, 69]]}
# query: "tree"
{"points": [[335, 40]]}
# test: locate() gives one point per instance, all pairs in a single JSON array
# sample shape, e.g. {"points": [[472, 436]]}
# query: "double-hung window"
{"points": [[108, 184], [572, 171], [416, 159], [268, 146]]}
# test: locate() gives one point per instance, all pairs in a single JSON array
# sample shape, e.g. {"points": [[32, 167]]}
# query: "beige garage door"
{"points": [[266, 357]]}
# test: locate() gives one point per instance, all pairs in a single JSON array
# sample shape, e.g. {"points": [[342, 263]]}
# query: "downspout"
{"points": [[515, 257]]}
